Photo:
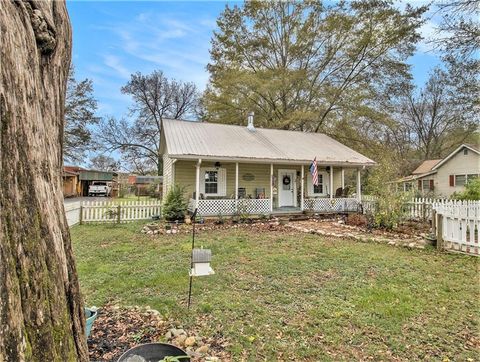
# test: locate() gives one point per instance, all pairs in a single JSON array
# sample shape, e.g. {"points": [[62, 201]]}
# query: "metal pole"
{"points": [[194, 216]]}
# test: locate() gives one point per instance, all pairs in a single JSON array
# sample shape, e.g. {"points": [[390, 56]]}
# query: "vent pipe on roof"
{"points": [[250, 125]]}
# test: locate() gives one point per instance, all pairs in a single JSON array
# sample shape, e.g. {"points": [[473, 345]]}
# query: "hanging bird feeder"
{"points": [[201, 259]]}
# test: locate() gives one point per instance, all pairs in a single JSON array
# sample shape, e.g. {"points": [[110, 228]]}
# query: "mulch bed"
{"points": [[118, 329]]}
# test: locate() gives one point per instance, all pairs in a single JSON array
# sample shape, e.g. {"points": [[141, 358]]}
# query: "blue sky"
{"points": [[111, 40]]}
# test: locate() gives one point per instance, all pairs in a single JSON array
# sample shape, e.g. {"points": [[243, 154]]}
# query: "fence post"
{"points": [[119, 209], [81, 215], [439, 231], [434, 222]]}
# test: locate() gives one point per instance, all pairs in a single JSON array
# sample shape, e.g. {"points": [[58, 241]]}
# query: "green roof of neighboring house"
{"points": [[96, 176]]}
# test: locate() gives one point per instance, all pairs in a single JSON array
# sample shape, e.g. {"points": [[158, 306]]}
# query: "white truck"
{"points": [[99, 188]]}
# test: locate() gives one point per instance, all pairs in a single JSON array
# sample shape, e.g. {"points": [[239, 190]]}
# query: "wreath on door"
{"points": [[286, 180]]}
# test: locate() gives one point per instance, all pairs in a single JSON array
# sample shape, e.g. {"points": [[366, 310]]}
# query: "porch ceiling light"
{"points": [[217, 165]]}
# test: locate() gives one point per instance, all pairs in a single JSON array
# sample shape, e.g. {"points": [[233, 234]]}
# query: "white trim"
{"points": [[331, 183], [302, 189], [343, 178], [236, 180], [271, 187], [197, 182], [453, 154], [274, 161], [325, 183], [279, 193], [359, 186]]}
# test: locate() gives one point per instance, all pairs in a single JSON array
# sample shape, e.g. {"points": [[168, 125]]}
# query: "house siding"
{"points": [[459, 164], [185, 173], [167, 174]]}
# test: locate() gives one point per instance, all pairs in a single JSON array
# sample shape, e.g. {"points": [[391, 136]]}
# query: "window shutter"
{"points": [[222, 182], [419, 184], [452, 180], [431, 185]]}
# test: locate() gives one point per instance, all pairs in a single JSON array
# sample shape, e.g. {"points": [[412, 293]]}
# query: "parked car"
{"points": [[99, 188]]}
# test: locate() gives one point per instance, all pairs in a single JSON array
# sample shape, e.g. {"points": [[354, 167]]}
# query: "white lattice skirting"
{"points": [[230, 207], [331, 205]]}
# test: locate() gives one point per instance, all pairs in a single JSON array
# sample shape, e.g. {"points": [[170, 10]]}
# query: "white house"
{"points": [[227, 169], [443, 177]]}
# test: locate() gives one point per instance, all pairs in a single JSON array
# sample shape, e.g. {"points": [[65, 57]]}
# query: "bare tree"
{"points": [[438, 118], [104, 163], [41, 309], [155, 98]]}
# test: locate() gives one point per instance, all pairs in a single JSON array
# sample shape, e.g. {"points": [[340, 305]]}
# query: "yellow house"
{"points": [[443, 177], [227, 169]]}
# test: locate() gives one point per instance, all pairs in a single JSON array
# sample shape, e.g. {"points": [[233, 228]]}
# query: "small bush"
{"points": [[471, 192], [389, 210], [356, 220], [174, 207]]}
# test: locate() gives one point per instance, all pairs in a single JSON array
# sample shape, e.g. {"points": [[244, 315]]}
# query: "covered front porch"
{"points": [[229, 188]]}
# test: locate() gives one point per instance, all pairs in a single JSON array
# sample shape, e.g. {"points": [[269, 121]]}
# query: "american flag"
{"points": [[314, 171]]}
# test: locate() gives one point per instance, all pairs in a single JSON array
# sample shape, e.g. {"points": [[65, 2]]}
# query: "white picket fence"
{"points": [[420, 208], [457, 225], [111, 211]]}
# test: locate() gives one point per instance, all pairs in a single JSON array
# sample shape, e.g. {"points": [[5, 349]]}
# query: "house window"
{"points": [[321, 188], [318, 189], [211, 182], [460, 180], [425, 185], [465, 151]]}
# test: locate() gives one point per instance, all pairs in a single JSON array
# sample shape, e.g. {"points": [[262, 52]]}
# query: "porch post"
{"points": [[197, 182], [271, 187], [236, 180], [301, 188], [331, 183], [359, 186], [343, 178]]}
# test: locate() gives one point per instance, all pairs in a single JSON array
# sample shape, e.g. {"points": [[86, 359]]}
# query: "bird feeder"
{"points": [[201, 259]]}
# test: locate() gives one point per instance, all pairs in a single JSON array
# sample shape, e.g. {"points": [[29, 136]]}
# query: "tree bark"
{"points": [[41, 310]]}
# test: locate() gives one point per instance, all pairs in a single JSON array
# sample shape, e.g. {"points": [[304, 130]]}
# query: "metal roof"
{"points": [[425, 166], [193, 140]]}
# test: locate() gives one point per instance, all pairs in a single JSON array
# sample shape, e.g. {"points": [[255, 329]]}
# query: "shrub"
{"points": [[390, 204], [471, 192], [174, 206]]}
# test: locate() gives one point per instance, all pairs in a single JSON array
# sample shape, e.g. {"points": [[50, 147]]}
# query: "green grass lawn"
{"points": [[278, 296]]}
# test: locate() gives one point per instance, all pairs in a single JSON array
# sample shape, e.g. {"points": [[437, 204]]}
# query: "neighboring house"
{"points": [[443, 177], [77, 179], [228, 169], [143, 184]]}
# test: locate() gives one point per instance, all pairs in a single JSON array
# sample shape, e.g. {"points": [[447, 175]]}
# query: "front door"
{"points": [[286, 188]]}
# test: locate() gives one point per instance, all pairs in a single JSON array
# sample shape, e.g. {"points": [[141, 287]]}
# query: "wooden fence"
{"points": [[457, 225]]}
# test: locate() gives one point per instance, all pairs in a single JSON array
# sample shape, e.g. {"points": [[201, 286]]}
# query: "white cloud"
{"points": [[114, 62]]}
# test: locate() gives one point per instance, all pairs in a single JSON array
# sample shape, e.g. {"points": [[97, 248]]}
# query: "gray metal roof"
{"points": [[190, 140], [202, 255]]}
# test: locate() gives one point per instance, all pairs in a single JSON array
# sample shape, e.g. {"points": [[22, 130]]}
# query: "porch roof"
{"points": [[193, 140]]}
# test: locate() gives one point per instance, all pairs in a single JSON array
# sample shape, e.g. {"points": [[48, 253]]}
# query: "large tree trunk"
{"points": [[41, 311]]}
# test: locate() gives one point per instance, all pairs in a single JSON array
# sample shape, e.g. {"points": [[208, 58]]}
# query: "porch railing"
{"points": [[331, 205], [230, 206]]}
